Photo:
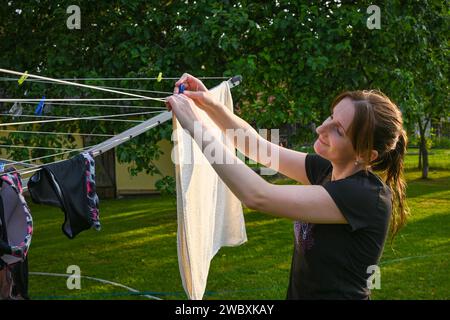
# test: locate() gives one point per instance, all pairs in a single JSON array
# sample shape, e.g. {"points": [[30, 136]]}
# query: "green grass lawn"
{"points": [[137, 248]]}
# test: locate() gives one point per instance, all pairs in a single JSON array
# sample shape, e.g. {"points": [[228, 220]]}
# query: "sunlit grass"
{"points": [[137, 248]]}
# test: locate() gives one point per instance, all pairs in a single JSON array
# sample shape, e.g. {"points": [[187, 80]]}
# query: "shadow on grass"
{"points": [[419, 187]]}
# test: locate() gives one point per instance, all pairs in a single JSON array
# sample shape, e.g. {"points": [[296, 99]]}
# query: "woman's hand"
{"points": [[196, 90], [185, 111]]}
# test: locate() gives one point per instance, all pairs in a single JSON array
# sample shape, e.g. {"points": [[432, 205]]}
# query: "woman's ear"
{"points": [[373, 155]]}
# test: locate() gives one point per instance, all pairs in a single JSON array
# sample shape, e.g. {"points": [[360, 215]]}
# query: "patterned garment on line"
{"points": [[16, 223], [69, 185]]}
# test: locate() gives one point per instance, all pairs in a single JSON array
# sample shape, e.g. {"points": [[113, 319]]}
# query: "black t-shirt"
{"points": [[331, 261]]}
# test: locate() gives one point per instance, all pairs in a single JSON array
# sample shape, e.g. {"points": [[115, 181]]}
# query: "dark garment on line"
{"points": [[69, 185], [331, 261]]}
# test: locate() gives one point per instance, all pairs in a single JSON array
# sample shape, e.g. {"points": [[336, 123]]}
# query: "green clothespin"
{"points": [[23, 78]]}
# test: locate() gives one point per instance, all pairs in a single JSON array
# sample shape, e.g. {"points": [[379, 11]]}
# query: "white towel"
{"points": [[209, 214]]}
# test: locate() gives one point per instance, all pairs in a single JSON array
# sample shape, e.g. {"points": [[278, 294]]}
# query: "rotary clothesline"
{"points": [[113, 141]]}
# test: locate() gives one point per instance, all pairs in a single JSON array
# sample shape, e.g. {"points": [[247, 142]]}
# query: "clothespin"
{"points": [[16, 109], [40, 107], [2, 166], [159, 77], [234, 81], [23, 78], [181, 88]]}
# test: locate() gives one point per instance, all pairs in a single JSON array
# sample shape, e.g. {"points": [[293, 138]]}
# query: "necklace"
{"points": [[304, 230]]}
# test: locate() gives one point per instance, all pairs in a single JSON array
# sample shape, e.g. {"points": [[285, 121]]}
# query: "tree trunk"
{"points": [[419, 165], [423, 150]]}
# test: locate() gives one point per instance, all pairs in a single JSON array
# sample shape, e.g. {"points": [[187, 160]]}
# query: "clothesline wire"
{"points": [[100, 118], [79, 85], [26, 171], [96, 118], [61, 117], [96, 105], [107, 87], [43, 157], [120, 79], [23, 171], [28, 147], [28, 165], [12, 100], [59, 133]]}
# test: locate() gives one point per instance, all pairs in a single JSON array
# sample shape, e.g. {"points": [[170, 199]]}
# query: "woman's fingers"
{"points": [[183, 79], [176, 101], [190, 82]]}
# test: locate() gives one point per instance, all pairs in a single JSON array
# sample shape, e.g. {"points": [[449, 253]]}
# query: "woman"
{"points": [[342, 210]]}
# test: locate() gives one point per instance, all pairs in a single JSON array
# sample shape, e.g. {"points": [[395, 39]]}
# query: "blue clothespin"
{"points": [[181, 88], [40, 107], [2, 166]]}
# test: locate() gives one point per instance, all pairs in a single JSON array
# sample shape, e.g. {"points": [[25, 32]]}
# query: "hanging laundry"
{"points": [[16, 229], [209, 214], [69, 185]]}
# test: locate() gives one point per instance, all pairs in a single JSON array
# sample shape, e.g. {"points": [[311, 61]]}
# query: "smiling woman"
{"points": [[343, 209]]}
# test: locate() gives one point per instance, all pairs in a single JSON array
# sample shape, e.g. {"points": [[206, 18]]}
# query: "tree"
{"points": [[295, 56]]}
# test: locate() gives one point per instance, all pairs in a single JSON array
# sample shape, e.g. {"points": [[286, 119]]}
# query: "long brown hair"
{"points": [[378, 125]]}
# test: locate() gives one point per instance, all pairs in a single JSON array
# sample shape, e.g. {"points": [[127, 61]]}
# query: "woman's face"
{"points": [[333, 143]]}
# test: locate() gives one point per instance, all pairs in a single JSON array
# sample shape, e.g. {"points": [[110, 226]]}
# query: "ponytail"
{"points": [[396, 181], [392, 164]]}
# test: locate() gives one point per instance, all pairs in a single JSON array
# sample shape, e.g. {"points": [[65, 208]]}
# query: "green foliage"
{"points": [[167, 186], [295, 56]]}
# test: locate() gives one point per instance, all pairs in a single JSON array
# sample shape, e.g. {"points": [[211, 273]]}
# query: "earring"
{"points": [[356, 163]]}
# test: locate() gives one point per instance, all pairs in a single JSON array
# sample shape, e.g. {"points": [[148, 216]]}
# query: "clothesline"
{"points": [[61, 117], [59, 133], [32, 148], [28, 165], [58, 119], [75, 99], [42, 157], [101, 147], [105, 87], [79, 85], [120, 79], [94, 105], [116, 140]]}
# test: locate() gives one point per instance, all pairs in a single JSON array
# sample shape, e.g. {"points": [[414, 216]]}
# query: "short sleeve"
{"points": [[316, 168], [363, 202]]}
